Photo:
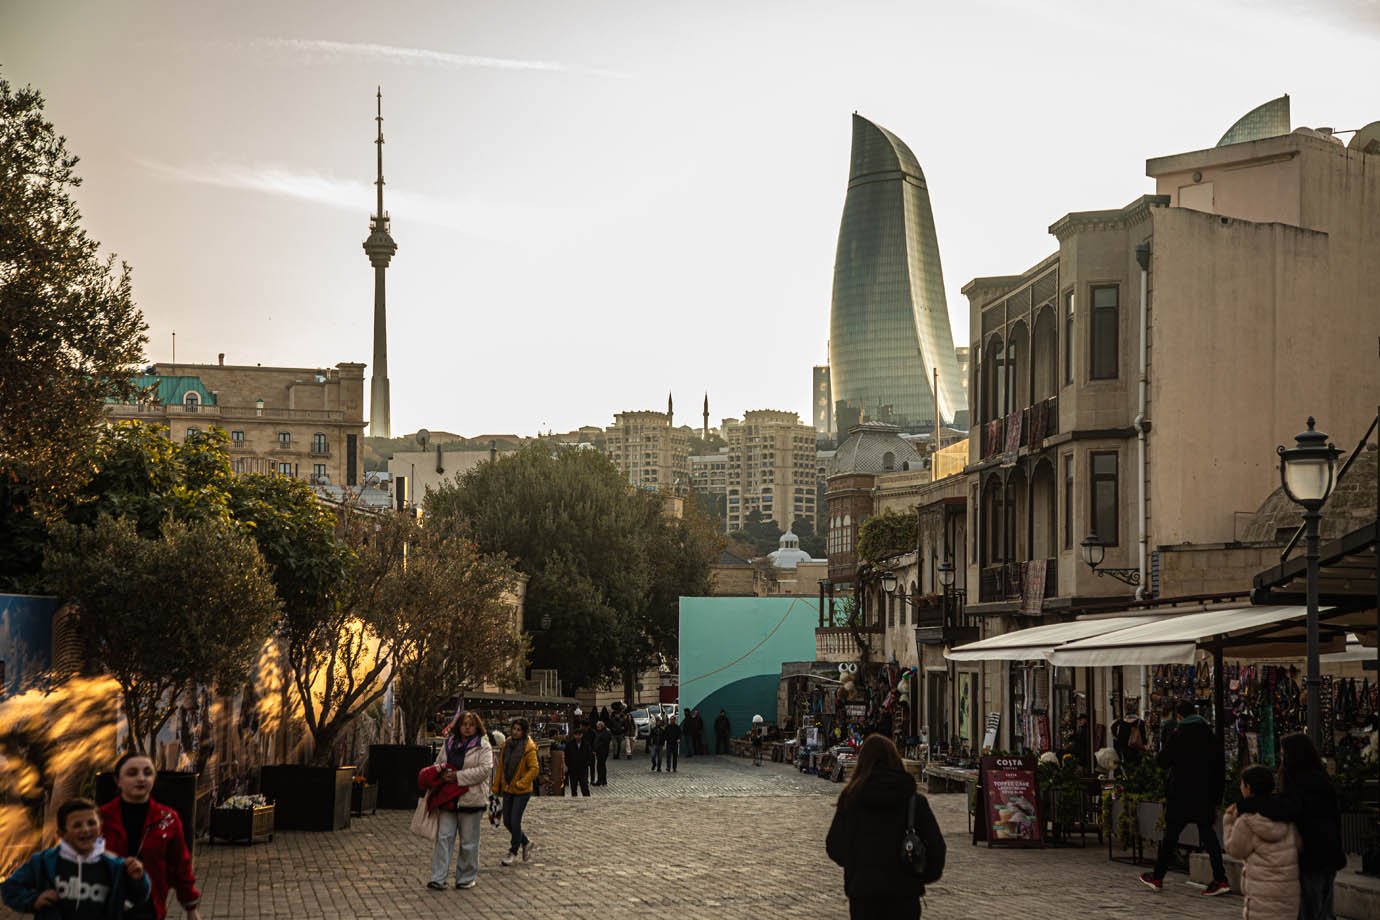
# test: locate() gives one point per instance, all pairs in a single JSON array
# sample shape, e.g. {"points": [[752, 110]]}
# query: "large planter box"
{"points": [[1356, 826], [364, 797], [309, 798], [242, 825], [394, 768], [172, 788]]}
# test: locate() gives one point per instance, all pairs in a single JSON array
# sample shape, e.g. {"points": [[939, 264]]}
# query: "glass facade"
{"points": [[889, 326]]}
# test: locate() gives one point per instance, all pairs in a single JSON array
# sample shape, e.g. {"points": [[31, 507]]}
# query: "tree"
{"points": [[71, 334], [192, 605], [759, 531], [596, 598], [887, 534], [459, 628], [810, 542]]}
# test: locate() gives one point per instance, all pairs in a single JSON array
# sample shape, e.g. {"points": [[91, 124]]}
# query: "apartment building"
{"points": [[771, 468], [307, 423], [649, 451]]}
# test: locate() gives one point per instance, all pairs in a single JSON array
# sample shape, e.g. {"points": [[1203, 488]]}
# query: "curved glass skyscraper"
{"points": [[889, 325]]}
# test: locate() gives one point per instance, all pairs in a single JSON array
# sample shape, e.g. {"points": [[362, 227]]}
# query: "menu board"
{"points": [[1008, 803]]}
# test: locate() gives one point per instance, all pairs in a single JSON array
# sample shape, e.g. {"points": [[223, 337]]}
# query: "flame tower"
{"points": [[380, 248]]}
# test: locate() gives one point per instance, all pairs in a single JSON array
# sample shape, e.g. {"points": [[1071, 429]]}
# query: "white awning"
{"points": [[1176, 640], [1038, 641]]}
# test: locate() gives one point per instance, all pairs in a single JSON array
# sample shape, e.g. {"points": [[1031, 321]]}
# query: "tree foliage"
{"points": [[459, 629], [191, 605], [887, 534], [602, 559], [759, 532], [70, 333]]}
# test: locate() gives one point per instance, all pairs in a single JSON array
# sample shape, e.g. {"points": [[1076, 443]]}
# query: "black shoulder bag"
{"points": [[912, 847]]}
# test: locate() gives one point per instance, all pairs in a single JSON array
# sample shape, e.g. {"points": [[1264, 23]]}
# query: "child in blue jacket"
{"points": [[77, 879]]}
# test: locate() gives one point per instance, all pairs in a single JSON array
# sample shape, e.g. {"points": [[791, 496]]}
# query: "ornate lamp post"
{"points": [[1308, 471]]}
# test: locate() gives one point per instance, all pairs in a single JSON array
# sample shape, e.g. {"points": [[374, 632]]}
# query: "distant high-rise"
{"points": [[380, 248], [824, 400], [889, 326]]}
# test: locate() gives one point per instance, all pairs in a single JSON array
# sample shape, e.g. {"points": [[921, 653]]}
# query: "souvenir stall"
{"points": [[547, 718], [835, 713]]}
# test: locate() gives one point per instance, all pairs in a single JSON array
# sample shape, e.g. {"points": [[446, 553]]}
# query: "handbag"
{"points": [[424, 823], [912, 847], [495, 811]]}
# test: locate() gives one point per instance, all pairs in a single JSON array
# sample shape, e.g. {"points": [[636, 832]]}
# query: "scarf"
{"points": [[513, 752], [457, 747]]}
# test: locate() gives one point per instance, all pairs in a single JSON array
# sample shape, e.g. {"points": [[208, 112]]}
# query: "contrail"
{"points": [[425, 56]]}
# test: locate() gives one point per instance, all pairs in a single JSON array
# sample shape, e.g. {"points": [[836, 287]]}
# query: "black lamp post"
{"points": [[1094, 551], [1308, 471], [889, 582]]}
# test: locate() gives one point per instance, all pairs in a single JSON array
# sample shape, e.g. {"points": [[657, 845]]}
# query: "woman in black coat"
{"points": [[866, 836]]}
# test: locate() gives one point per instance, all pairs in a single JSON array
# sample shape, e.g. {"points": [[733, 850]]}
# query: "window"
{"points": [[318, 443], [284, 440], [318, 472], [239, 466], [285, 469], [1068, 501], [237, 438], [190, 432], [1105, 333], [191, 402], [1068, 338], [1104, 498]]}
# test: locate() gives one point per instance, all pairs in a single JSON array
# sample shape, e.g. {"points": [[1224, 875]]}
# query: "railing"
{"points": [[1037, 422], [839, 643], [330, 415], [320, 450], [1006, 581], [949, 611], [135, 410]]}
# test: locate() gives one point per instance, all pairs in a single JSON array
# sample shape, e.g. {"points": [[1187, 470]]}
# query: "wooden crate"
{"points": [[242, 825]]}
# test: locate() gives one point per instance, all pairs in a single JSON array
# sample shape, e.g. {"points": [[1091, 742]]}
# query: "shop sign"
{"points": [[1008, 804]]}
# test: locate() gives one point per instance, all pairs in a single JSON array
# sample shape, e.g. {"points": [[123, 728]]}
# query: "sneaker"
{"points": [[466, 886], [1148, 880], [436, 886], [507, 860], [1215, 888], [527, 851]]}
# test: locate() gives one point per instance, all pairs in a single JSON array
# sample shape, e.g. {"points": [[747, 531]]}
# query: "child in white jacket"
{"points": [[1269, 849]]}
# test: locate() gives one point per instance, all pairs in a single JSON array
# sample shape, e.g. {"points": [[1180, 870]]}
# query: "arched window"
{"points": [[888, 461], [191, 402]]}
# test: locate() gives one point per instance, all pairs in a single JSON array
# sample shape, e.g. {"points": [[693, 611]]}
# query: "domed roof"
{"points": [[1350, 506], [874, 448], [790, 554]]}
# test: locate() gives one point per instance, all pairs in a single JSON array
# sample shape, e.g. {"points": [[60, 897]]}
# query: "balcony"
{"points": [[1007, 581], [945, 621], [838, 643], [1036, 422]]}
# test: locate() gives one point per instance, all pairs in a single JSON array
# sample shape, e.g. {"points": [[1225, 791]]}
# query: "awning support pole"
{"points": [[1219, 702]]}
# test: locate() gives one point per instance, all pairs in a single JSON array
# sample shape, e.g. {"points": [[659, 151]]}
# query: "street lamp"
{"points": [[946, 574], [889, 582], [1094, 551], [1308, 471]]}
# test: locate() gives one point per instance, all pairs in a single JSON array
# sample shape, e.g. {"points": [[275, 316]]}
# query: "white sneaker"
{"points": [[527, 850], [507, 860]]}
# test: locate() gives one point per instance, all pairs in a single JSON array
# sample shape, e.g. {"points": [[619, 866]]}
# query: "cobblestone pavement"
{"points": [[717, 839]]}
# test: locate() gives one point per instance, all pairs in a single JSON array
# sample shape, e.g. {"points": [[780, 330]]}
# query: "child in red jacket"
{"points": [[136, 825]]}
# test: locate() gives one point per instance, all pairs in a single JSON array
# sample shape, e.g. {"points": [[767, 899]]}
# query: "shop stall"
{"points": [[547, 718]]}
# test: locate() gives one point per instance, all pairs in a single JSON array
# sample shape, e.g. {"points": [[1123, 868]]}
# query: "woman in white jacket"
{"points": [[466, 762]]}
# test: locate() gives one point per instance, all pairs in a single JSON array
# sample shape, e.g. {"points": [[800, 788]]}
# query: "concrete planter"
{"points": [[309, 798]]}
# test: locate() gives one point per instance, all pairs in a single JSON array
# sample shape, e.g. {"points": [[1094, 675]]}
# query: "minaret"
{"points": [[705, 434], [670, 412], [380, 248]]}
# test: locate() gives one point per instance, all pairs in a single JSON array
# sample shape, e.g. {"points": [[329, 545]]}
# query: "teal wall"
{"points": [[731, 651]]}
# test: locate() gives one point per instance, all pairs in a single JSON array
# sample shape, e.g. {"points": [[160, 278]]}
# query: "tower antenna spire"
{"points": [[380, 248]]}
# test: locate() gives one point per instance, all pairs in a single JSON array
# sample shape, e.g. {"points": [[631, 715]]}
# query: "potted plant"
{"points": [[308, 798], [364, 796], [243, 819]]}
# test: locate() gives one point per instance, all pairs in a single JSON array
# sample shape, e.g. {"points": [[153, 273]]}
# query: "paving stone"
{"points": [[719, 839]]}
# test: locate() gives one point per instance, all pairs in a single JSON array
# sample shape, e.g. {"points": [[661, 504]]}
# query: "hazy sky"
{"points": [[596, 203]]}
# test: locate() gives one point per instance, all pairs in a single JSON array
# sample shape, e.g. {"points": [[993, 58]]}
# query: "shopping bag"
{"points": [[424, 823]]}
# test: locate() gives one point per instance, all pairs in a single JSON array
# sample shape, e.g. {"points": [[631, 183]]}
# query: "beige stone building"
{"points": [[709, 472], [307, 423], [1135, 383], [649, 451], [771, 468], [421, 471]]}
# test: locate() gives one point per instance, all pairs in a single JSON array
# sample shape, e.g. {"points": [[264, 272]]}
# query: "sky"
{"points": [[599, 203]]}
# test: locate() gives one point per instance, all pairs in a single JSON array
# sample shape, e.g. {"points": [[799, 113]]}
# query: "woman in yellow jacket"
{"points": [[514, 775]]}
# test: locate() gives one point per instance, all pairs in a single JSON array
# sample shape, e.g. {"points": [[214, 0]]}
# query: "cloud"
{"points": [[505, 222], [424, 56]]}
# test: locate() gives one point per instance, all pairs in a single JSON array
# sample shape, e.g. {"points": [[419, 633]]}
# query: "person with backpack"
{"points": [[879, 811]]}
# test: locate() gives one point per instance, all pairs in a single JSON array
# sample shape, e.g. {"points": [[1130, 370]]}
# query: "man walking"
{"points": [[722, 729], [618, 726], [1193, 791], [655, 738], [673, 736], [577, 751], [602, 739]]}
